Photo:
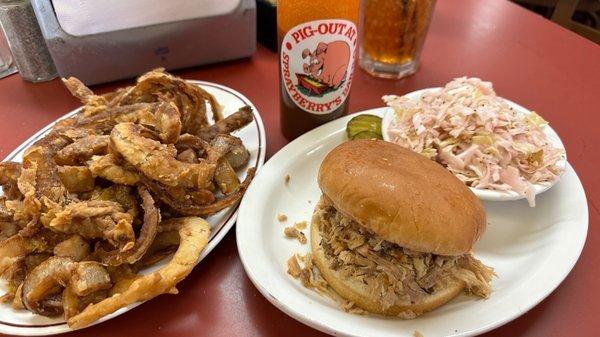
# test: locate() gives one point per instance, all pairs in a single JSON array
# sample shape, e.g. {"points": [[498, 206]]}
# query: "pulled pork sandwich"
{"points": [[393, 231]]}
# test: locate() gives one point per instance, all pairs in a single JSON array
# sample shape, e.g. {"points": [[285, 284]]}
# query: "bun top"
{"points": [[402, 196]]}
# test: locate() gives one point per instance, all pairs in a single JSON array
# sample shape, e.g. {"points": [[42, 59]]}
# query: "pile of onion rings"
{"points": [[119, 186]]}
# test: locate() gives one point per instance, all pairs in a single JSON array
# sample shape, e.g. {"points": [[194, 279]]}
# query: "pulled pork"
{"points": [[293, 232], [301, 267], [392, 273]]}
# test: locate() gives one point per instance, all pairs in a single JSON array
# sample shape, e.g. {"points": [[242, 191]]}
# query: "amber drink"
{"points": [[392, 35], [317, 48]]}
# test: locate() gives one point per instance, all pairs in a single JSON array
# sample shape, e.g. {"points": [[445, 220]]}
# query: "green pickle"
{"points": [[364, 127], [367, 135]]}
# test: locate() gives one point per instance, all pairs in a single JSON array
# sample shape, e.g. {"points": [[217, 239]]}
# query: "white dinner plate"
{"points": [[481, 193], [531, 249], [22, 322]]}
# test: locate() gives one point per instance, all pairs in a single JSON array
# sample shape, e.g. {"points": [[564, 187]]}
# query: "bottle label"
{"points": [[317, 62]]}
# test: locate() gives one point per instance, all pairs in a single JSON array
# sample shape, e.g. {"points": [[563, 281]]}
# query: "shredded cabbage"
{"points": [[477, 136]]}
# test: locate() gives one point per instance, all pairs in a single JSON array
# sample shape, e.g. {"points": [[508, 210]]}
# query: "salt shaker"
{"points": [[26, 42]]}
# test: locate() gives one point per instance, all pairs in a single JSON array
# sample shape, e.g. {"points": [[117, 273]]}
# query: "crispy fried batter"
{"points": [[93, 103], [149, 226], [154, 160], [191, 208], [12, 250], [17, 209], [31, 228], [124, 195], [194, 234], [188, 156], [82, 149], [78, 89], [233, 122], [161, 116], [17, 247], [9, 175], [5, 213], [168, 122], [116, 96], [232, 149], [187, 141], [146, 237], [109, 168], [70, 303], [190, 99], [76, 179], [75, 248], [226, 178], [57, 272], [96, 219], [69, 240], [88, 277], [26, 183], [183, 197], [56, 139], [238, 156], [39, 181], [8, 229]]}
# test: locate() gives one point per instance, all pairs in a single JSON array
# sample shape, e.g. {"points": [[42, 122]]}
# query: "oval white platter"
{"points": [[488, 194], [22, 322], [531, 249]]}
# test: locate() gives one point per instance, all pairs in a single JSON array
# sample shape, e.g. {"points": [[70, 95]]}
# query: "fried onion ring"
{"points": [[11, 250], [17, 247], [93, 103], [194, 233], [75, 248], [81, 150], [39, 181], [145, 238], [233, 122], [161, 116], [190, 99], [156, 161], [96, 219], [47, 180], [188, 156], [191, 208], [109, 168], [76, 179], [226, 178], [9, 175], [42, 282], [122, 194], [73, 230]]}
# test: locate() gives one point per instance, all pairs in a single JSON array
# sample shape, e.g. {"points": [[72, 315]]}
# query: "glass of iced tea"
{"points": [[393, 32]]}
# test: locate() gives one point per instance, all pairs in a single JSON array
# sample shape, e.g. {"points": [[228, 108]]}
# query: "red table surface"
{"points": [[529, 59]]}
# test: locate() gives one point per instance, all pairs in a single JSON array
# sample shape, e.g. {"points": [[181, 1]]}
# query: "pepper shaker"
{"points": [[7, 66], [26, 42]]}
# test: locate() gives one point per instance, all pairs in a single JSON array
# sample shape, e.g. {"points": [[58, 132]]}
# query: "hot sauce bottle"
{"points": [[317, 52]]}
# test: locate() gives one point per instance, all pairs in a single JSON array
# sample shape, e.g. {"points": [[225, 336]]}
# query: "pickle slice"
{"points": [[364, 123], [367, 135]]}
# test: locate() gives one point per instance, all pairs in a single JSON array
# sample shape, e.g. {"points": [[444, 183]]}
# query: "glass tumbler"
{"points": [[393, 33], [7, 66]]}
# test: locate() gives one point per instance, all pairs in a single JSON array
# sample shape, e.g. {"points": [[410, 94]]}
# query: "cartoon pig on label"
{"points": [[328, 63]]}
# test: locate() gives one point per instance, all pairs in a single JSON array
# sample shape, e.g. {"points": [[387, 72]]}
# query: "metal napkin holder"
{"points": [[105, 57]]}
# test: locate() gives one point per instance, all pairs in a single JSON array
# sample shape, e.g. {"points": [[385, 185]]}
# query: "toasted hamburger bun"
{"points": [[403, 197], [357, 292]]}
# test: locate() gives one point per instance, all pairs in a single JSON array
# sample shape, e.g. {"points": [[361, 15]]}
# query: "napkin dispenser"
{"points": [[104, 40]]}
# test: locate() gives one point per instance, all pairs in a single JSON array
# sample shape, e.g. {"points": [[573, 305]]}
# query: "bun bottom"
{"points": [[356, 292]]}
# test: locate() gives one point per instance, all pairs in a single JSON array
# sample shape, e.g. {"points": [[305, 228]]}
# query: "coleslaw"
{"points": [[478, 136]]}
